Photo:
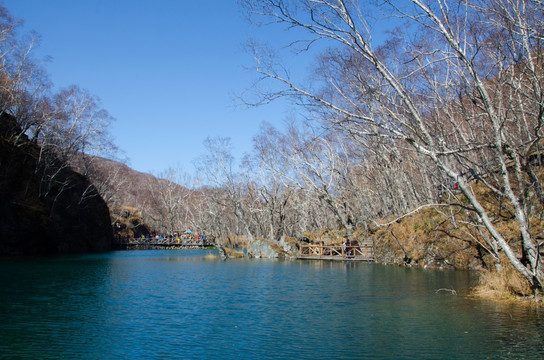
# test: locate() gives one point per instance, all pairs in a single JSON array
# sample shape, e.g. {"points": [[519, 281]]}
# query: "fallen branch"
{"points": [[451, 291]]}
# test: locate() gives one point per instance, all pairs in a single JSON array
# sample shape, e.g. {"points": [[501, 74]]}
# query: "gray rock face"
{"points": [[266, 249], [290, 250], [262, 249]]}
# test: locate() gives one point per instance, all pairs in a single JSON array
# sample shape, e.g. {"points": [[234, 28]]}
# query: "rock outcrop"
{"points": [[46, 208], [268, 249], [262, 249]]}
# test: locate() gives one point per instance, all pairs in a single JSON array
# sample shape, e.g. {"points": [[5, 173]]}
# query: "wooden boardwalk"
{"points": [[149, 244], [364, 252]]}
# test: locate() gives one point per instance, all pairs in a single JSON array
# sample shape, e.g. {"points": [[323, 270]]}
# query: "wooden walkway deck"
{"points": [[364, 252], [145, 244]]}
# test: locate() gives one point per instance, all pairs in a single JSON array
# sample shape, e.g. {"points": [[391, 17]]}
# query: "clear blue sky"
{"points": [[166, 70]]}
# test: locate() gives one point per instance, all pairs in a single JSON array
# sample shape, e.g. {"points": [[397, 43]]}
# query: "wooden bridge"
{"points": [[152, 243], [362, 252]]}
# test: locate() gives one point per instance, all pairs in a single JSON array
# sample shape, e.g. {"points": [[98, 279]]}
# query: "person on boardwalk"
{"points": [[347, 246]]}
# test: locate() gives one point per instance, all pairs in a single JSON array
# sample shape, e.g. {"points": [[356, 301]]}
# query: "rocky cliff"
{"points": [[46, 208]]}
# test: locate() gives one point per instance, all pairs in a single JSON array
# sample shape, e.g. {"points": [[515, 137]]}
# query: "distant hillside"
{"points": [[118, 182], [139, 203]]}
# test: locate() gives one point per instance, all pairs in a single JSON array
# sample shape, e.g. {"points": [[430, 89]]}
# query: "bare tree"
{"points": [[218, 166], [24, 85], [78, 125], [275, 193], [318, 165], [169, 200]]}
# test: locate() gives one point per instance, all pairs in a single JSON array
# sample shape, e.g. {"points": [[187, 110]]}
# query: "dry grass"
{"points": [[504, 283], [291, 240], [425, 238], [234, 253], [211, 257]]}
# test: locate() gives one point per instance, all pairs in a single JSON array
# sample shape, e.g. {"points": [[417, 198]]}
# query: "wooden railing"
{"points": [[364, 252]]}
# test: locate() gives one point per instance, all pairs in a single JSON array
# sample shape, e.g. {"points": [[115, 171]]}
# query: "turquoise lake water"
{"points": [[179, 304]]}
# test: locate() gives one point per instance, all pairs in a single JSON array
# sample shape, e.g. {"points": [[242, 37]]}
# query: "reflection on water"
{"points": [[182, 304]]}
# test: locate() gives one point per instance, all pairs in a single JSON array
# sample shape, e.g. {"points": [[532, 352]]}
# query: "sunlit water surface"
{"points": [[183, 305]]}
